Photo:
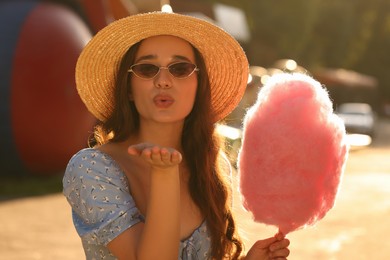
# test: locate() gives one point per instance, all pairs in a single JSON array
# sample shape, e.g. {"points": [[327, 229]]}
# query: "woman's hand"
{"points": [[160, 234], [271, 248], [156, 156]]}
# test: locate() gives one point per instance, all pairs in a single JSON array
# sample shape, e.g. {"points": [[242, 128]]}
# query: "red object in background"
{"points": [[49, 121], [101, 13], [97, 13]]}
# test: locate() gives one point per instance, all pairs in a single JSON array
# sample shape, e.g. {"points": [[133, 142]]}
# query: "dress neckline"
{"points": [[142, 217]]}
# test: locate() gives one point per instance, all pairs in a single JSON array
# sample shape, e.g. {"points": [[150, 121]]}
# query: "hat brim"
{"points": [[225, 60]]}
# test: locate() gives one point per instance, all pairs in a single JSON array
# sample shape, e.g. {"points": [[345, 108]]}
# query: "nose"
{"points": [[163, 79]]}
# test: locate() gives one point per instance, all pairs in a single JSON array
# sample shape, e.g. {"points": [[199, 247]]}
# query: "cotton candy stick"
{"points": [[293, 153]]}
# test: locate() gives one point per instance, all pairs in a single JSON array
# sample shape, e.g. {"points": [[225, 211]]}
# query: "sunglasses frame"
{"points": [[163, 67]]}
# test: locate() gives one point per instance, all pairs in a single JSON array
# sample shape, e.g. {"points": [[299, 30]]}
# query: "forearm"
{"points": [[161, 234]]}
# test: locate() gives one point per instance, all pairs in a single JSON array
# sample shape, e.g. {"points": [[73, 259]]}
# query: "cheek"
{"points": [[135, 90], [137, 96]]}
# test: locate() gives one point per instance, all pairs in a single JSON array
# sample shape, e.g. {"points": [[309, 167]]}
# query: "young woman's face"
{"points": [[163, 98]]}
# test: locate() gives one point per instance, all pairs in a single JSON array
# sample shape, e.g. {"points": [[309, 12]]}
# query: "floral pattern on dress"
{"points": [[102, 207]]}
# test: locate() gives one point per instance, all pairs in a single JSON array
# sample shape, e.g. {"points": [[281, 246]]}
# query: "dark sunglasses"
{"points": [[179, 70]]}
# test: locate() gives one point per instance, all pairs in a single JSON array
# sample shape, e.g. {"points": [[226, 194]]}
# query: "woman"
{"points": [[154, 185]]}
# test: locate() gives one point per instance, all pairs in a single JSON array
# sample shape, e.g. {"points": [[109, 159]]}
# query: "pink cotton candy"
{"points": [[293, 153]]}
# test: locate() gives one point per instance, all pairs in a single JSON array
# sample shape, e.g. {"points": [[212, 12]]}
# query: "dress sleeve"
{"points": [[98, 192]]}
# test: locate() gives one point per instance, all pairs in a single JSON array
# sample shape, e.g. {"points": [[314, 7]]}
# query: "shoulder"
{"points": [[91, 160], [94, 168], [91, 157], [98, 192]]}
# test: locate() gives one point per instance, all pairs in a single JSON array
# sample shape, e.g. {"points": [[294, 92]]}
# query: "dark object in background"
{"points": [[43, 121]]}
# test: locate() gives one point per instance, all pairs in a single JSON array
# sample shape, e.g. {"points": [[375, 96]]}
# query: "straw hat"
{"points": [[97, 66]]}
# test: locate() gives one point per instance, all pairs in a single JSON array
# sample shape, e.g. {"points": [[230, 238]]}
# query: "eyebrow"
{"points": [[150, 57]]}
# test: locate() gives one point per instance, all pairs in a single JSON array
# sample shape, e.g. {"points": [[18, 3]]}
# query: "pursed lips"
{"points": [[163, 100]]}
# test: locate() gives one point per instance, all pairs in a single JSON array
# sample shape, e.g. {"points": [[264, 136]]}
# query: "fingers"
{"points": [[156, 155], [279, 254], [265, 243], [279, 236], [138, 148], [271, 248], [165, 156], [279, 249]]}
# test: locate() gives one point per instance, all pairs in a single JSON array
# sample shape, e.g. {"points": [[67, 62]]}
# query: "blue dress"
{"points": [[102, 207]]}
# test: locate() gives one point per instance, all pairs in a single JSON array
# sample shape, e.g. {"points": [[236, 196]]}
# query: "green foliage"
{"points": [[12, 187], [350, 34]]}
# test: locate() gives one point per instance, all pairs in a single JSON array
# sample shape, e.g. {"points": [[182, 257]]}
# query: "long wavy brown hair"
{"points": [[208, 183]]}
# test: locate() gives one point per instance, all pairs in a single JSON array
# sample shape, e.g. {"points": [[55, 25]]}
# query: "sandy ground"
{"points": [[356, 228]]}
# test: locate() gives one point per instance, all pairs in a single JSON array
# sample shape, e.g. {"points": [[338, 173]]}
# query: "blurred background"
{"points": [[343, 44]]}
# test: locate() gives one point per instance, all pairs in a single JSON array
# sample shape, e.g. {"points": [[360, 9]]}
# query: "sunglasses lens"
{"points": [[147, 71], [181, 69]]}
